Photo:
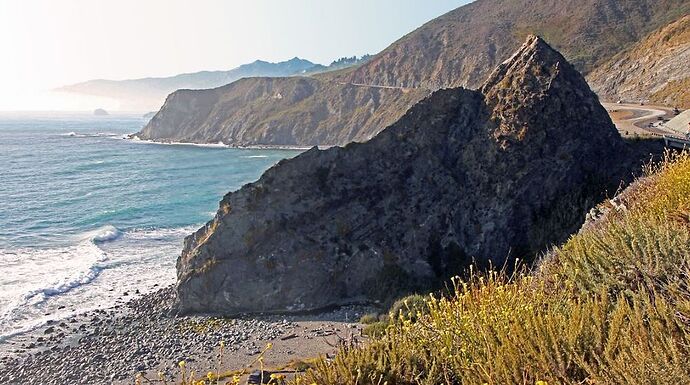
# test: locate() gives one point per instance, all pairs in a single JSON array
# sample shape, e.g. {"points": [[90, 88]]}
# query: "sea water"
{"points": [[89, 218]]}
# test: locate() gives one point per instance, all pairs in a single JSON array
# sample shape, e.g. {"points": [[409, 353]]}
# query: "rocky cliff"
{"points": [[487, 175], [656, 69], [459, 48]]}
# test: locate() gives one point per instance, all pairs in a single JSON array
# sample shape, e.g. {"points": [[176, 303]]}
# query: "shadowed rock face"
{"points": [[463, 175]]}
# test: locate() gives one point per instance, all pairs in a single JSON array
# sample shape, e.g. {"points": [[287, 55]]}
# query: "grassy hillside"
{"points": [[279, 111], [457, 49], [611, 306], [675, 93]]}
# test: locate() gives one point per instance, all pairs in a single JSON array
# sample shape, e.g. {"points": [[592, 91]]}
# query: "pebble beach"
{"points": [[145, 338]]}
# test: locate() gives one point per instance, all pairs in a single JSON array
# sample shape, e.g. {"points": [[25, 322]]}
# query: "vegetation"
{"points": [[676, 92], [611, 306]]}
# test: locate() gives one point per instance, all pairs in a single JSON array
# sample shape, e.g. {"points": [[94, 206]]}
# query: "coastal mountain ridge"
{"points": [[150, 93], [463, 176], [460, 48], [456, 49]]}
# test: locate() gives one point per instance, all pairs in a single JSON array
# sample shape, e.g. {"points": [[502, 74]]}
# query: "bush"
{"points": [[408, 308], [375, 329], [369, 318]]}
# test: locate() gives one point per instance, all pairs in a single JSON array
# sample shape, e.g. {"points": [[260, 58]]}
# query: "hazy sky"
{"points": [[49, 43]]}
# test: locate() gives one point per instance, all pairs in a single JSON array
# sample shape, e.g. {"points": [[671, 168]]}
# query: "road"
{"points": [[631, 119], [404, 89]]}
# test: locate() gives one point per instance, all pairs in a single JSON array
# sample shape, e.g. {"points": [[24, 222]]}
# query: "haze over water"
{"points": [[86, 215]]}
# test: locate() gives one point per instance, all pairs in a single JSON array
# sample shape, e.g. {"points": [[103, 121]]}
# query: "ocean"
{"points": [[89, 218]]}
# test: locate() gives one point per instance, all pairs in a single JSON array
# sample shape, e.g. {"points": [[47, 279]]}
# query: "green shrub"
{"points": [[409, 308], [369, 318], [375, 329]]}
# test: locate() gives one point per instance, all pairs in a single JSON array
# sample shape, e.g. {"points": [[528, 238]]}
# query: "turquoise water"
{"points": [[87, 216]]}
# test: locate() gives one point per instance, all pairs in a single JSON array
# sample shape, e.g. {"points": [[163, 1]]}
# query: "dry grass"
{"points": [[675, 93], [611, 306]]}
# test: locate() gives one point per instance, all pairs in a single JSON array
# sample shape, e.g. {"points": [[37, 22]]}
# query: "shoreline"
{"points": [[135, 139], [144, 335]]}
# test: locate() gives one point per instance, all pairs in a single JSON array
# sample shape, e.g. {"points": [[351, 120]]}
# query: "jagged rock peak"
{"points": [[537, 92]]}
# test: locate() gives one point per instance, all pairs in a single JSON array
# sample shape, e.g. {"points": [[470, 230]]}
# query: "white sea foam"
{"points": [[135, 139], [91, 135], [55, 272], [92, 264], [54, 283]]}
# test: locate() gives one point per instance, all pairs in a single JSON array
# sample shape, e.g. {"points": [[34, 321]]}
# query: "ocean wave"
{"points": [[91, 258], [53, 283], [65, 285], [104, 234], [94, 259], [136, 139], [92, 267]]}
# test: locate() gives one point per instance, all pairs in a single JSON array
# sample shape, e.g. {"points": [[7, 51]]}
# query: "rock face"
{"points": [[655, 69], [463, 175], [458, 49], [279, 111]]}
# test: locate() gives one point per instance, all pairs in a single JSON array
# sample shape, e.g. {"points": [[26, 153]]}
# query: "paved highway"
{"points": [[636, 119]]}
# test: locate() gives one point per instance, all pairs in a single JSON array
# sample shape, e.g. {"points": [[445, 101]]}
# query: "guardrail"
{"points": [[676, 141]]}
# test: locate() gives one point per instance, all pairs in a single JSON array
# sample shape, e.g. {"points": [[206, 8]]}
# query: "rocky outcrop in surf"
{"points": [[486, 175]]}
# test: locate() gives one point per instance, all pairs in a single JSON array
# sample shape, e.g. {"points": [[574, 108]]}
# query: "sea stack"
{"points": [[463, 176]]}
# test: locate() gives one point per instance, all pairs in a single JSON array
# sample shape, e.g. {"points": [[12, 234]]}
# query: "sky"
{"points": [[50, 43]]}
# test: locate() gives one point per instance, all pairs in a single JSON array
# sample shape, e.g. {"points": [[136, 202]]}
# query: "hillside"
{"points": [[488, 175], [150, 93], [655, 69], [457, 49], [460, 47], [279, 111]]}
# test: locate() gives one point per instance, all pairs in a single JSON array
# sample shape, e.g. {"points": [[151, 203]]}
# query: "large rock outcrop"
{"points": [[487, 175], [458, 49]]}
